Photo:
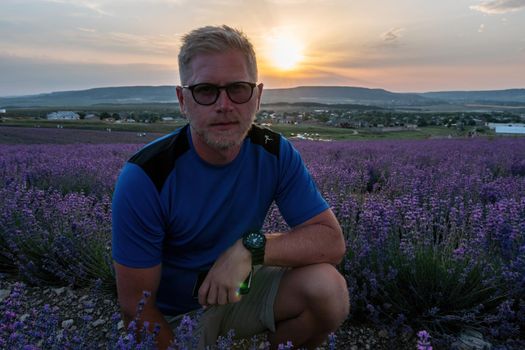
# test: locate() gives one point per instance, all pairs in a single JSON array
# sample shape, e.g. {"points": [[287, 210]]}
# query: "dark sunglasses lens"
{"points": [[240, 92], [205, 94]]}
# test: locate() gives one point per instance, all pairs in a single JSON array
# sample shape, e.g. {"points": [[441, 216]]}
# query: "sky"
{"points": [[400, 46]]}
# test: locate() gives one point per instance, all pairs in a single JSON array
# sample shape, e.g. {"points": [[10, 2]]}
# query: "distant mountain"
{"points": [[488, 96], [303, 94], [344, 95], [96, 96]]}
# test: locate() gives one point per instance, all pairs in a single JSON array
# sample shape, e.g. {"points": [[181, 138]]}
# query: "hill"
{"points": [[509, 96], [345, 95], [96, 96], [304, 94]]}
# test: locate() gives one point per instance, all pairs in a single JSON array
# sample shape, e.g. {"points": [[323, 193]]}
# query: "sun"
{"points": [[285, 52]]}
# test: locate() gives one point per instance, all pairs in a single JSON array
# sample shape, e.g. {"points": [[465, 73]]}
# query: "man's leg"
{"points": [[252, 315], [312, 301]]}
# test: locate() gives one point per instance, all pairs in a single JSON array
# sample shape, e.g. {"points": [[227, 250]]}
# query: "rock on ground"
{"points": [[93, 310]]}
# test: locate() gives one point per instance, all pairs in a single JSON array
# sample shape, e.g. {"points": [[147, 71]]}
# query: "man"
{"points": [[193, 202]]}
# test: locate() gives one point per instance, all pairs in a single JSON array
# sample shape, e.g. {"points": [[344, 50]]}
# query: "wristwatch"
{"points": [[255, 242]]}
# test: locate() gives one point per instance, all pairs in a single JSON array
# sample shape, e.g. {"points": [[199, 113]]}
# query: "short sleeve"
{"points": [[137, 220], [297, 196]]}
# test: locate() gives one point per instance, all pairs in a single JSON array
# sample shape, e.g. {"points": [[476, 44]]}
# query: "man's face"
{"points": [[224, 124]]}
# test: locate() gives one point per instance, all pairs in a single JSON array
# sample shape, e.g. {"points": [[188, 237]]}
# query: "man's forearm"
{"points": [[311, 244]]}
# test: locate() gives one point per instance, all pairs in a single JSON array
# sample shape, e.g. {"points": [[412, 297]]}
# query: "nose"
{"points": [[223, 103]]}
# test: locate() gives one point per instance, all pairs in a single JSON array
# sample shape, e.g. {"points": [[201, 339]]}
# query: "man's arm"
{"points": [[131, 283], [317, 240]]}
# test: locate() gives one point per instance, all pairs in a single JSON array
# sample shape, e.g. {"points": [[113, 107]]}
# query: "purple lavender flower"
{"points": [[423, 342], [287, 346], [226, 342], [397, 202], [332, 341]]}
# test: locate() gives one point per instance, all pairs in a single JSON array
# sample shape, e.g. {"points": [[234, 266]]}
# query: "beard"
{"points": [[224, 140]]}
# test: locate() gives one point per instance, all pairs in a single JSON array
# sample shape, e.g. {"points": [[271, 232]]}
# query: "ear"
{"points": [[259, 95], [180, 97]]}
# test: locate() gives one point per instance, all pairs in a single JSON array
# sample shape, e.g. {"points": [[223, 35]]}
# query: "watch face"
{"points": [[255, 240]]}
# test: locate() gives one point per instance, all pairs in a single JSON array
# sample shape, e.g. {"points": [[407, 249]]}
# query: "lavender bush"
{"points": [[40, 329], [435, 232], [435, 229]]}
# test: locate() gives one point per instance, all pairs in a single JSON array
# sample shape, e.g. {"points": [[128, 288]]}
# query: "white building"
{"points": [[63, 115], [502, 128], [2, 110]]}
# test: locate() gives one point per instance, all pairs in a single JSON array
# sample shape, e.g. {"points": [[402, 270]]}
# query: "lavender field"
{"points": [[435, 230]]}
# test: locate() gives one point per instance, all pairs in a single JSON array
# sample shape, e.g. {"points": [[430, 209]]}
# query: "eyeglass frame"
{"points": [[219, 88]]}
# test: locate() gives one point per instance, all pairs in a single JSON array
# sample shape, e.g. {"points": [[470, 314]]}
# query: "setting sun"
{"points": [[285, 52]]}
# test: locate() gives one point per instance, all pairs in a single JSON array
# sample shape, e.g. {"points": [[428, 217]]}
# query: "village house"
{"points": [[125, 115], [506, 128]]}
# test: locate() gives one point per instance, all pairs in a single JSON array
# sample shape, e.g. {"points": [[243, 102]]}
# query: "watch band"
{"points": [[258, 257], [255, 242]]}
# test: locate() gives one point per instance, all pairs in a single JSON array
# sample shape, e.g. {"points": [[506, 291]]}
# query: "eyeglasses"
{"points": [[207, 94]]}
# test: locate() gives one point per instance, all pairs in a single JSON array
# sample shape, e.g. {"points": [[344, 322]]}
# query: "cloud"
{"points": [[87, 4], [88, 30], [296, 2], [392, 35], [127, 42], [494, 7], [23, 75], [312, 76], [481, 28]]}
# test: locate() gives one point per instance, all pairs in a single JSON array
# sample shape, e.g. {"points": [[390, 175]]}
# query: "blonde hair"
{"points": [[215, 39]]}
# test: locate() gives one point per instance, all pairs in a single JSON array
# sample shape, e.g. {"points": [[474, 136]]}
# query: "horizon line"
{"points": [[280, 88]]}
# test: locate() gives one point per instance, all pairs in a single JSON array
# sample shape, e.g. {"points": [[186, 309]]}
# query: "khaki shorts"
{"points": [[251, 316]]}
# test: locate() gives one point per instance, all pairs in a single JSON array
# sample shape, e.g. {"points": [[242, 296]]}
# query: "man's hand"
{"points": [[131, 283], [221, 285]]}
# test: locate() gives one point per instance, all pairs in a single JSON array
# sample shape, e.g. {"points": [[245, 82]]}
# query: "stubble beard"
{"points": [[227, 140]]}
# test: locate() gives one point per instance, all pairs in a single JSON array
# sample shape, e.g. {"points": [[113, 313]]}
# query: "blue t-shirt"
{"points": [[172, 207]]}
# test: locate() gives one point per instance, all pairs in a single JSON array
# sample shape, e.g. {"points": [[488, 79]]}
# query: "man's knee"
{"points": [[327, 294]]}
